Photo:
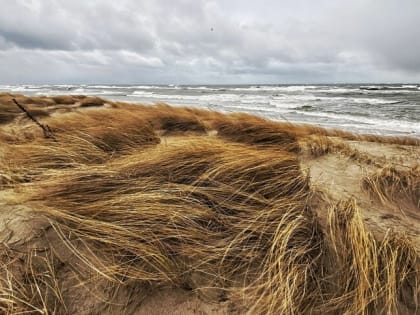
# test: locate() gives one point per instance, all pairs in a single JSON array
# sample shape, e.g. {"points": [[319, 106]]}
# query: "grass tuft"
{"points": [[390, 184]]}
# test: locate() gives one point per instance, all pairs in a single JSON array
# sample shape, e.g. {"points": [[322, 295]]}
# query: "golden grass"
{"points": [[319, 145], [80, 139], [216, 216], [65, 99], [9, 111], [91, 101], [112, 129], [368, 276], [228, 216], [37, 105], [256, 131], [169, 120], [30, 286], [390, 184]]}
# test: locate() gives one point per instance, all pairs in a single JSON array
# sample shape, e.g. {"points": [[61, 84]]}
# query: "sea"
{"points": [[381, 109]]}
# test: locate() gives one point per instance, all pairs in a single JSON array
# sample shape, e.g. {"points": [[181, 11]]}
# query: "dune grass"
{"points": [[390, 184], [80, 139], [371, 276], [228, 216], [9, 111]]}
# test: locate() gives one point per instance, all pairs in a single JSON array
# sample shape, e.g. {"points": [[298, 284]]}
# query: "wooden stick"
{"points": [[47, 131]]}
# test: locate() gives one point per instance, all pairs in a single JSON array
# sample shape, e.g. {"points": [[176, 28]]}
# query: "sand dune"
{"points": [[133, 209]]}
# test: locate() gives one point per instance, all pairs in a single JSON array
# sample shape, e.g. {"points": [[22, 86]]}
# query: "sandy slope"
{"points": [[340, 177]]}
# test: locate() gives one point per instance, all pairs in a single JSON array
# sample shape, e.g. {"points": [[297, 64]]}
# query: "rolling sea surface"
{"points": [[385, 109]]}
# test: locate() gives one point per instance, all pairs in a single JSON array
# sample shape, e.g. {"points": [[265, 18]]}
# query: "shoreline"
{"points": [[379, 109], [184, 210]]}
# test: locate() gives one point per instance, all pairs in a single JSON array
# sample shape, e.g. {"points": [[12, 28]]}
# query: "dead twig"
{"points": [[47, 131]]}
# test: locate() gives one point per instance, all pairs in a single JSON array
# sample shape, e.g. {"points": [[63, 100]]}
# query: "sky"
{"points": [[209, 42]]}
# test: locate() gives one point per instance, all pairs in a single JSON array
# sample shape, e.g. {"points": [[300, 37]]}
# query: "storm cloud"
{"points": [[197, 41]]}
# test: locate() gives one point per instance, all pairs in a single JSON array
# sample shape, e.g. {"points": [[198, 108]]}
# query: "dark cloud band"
{"points": [[197, 41]]}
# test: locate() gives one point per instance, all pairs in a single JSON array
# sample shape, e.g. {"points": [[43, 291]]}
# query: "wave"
{"points": [[306, 108], [389, 87], [388, 124], [325, 104], [108, 87], [267, 88], [142, 93], [374, 101], [25, 89]]}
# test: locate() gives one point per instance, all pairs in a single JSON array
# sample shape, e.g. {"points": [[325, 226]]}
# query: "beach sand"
{"points": [[131, 209]]}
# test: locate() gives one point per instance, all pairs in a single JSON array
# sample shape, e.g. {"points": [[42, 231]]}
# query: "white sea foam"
{"points": [[374, 123], [107, 87], [326, 105]]}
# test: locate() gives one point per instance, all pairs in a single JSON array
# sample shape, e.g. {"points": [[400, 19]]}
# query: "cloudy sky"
{"points": [[203, 41]]}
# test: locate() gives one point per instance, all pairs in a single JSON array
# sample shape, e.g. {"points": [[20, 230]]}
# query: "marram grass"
{"points": [[120, 211]]}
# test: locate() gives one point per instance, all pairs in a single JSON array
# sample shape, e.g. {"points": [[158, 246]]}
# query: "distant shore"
{"points": [[381, 109]]}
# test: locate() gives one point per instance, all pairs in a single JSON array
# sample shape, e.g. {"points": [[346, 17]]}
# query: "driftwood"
{"points": [[45, 128]]}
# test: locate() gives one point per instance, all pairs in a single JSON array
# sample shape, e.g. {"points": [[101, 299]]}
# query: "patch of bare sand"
{"points": [[179, 302], [338, 177], [402, 155]]}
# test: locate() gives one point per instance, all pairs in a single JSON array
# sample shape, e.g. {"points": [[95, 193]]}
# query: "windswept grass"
{"points": [[169, 120], [80, 140], [111, 130], [368, 276], [229, 216], [217, 216], [318, 145], [91, 101], [321, 145], [9, 111], [257, 131], [65, 99], [30, 285], [390, 184]]}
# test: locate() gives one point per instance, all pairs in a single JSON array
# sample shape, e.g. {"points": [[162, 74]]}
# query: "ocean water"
{"points": [[388, 109]]}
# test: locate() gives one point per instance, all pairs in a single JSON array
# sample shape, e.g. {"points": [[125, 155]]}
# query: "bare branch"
{"points": [[47, 131]]}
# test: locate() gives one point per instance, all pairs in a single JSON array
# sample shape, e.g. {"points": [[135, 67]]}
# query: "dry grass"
{"points": [[169, 120], [319, 145], [228, 216], [91, 102], [112, 130], [65, 99], [9, 111], [368, 276], [247, 129], [390, 184], [80, 139], [28, 280], [217, 216]]}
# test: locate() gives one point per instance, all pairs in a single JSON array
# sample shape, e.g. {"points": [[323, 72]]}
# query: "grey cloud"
{"points": [[65, 25], [26, 40], [4, 44], [198, 41]]}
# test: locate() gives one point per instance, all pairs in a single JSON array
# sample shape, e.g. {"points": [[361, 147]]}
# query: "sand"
{"points": [[338, 167]]}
